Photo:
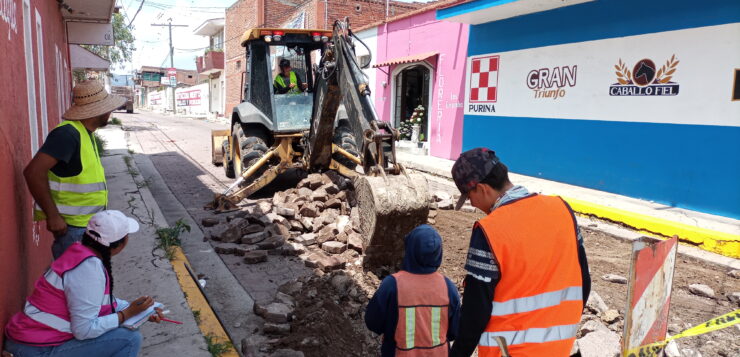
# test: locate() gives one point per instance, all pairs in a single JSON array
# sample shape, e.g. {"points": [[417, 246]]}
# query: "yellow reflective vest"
{"points": [[79, 197], [280, 82]]}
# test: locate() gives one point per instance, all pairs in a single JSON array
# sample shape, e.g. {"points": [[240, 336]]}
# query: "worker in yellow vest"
{"points": [[287, 81], [527, 275], [66, 177]]}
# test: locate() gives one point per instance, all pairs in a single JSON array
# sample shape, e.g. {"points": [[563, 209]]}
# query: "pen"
{"points": [[172, 321]]}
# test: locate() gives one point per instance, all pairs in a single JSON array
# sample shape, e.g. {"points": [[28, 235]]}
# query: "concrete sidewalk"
{"points": [[139, 270], [713, 233]]}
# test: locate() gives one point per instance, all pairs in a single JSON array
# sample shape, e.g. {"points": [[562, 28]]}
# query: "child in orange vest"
{"points": [[417, 309]]}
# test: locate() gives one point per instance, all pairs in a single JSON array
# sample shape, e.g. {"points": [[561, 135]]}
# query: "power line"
{"points": [[137, 12], [172, 55]]}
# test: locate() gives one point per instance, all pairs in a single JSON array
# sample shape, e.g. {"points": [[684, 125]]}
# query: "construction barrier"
{"points": [[649, 291], [723, 243], [717, 323]]}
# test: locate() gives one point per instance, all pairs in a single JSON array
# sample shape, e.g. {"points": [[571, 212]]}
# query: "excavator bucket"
{"points": [[390, 207]]}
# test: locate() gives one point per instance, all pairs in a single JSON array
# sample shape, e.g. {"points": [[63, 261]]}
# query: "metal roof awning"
{"points": [[407, 59], [81, 58]]}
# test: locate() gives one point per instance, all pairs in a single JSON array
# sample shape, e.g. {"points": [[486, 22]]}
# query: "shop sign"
{"points": [[551, 82], [645, 79], [483, 84], [188, 98]]}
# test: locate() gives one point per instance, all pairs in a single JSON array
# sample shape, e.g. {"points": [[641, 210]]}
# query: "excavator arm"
{"points": [[340, 79]]}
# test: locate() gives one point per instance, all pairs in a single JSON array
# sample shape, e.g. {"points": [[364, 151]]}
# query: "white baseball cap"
{"points": [[111, 226]]}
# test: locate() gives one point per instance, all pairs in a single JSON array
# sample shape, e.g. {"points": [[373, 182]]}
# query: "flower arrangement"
{"points": [[406, 127]]}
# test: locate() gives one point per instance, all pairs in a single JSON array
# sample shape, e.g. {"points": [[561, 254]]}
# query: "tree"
{"points": [[123, 44]]}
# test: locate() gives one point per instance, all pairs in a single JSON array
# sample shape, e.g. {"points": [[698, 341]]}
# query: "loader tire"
{"points": [[344, 138], [226, 160], [251, 148]]}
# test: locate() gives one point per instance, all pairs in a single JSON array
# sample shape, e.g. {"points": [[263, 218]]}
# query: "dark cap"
{"points": [[470, 169], [284, 63]]}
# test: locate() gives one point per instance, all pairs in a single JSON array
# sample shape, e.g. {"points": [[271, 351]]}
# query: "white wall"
{"points": [[193, 100], [370, 38]]}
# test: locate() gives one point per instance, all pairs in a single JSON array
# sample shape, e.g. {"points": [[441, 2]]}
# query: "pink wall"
{"points": [[25, 246], [418, 34]]}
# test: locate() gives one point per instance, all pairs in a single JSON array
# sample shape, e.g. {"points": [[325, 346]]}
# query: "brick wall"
{"points": [[241, 16], [246, 14]]}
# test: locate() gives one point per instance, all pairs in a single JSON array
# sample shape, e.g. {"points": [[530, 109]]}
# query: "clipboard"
{"points": [[134, 322]]}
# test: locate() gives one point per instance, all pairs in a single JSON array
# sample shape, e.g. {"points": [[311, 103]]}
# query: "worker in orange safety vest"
{"points": [[527, 275], [416, 309]]}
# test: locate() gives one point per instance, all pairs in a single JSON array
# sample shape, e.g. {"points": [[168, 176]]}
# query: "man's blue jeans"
{"points": [[120, 342], [74, 234]]}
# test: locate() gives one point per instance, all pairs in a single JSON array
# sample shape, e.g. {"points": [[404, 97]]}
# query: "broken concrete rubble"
{"points": [[334, 247]]}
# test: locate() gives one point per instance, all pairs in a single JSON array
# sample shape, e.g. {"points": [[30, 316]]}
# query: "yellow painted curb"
{"points": [[208, 324], [714, 241]]}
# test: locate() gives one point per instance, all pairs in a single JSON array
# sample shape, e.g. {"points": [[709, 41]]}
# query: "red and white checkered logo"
{"points": [[484, 79]]}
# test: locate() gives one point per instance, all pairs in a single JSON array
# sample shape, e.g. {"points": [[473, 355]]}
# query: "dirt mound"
{"points": [[329, 315]]}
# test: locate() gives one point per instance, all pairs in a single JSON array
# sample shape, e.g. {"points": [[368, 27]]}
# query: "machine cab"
{"points": [[265, 81]]}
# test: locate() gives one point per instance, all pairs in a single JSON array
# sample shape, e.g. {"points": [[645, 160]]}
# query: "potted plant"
{"points": [[415, 120]]}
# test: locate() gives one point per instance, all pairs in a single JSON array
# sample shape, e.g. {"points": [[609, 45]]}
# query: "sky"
{"points": [[152, 43]]}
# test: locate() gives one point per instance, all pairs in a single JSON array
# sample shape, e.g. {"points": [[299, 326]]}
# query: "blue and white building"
{"points": [[639, 98]]}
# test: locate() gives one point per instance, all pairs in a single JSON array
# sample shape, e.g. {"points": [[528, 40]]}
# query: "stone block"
{"points": [[334, 203], [433, 213], [307, 223], [331, 189], [309, 210], [320, 195], [278, 230], [441, 196], [327, 233], [276, 329], [231, 234], [255, 256], [614, 278], [285, 212], [334, 247], [262, 207], [276, 218], [307, 239], [331, 263], [271, 243], [296, 225], [342, 237], [278, 198], [278, 312], [254, 238], [702, 290], [225, 248], [209, 221], [292, 249], [253, 228], [242, 249], [354, 241], [599, 343]]}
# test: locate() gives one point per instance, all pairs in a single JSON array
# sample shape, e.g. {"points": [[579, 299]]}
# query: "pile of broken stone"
{"points": [[318, 220]]}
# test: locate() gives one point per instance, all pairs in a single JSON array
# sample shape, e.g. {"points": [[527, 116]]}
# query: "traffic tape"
{"points": [[714, 324]]}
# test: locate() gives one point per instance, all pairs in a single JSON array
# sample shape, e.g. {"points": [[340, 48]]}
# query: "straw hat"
{"points": [[90, 100]]}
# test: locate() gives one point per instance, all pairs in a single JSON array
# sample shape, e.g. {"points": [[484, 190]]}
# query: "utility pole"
{"points": [[172, 58]]}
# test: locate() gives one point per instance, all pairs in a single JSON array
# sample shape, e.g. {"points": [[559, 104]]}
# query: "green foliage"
{"points": [[115, 121], [123, 46], [169, 238], [99, 143], [217, 348], [196, 316]]}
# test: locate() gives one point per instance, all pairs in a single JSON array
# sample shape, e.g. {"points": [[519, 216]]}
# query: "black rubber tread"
{"points": [[252, 149], [344, 138], [228, 164]]}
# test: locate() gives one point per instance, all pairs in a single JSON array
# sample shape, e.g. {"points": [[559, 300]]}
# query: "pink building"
{"points": [[420, 66]]}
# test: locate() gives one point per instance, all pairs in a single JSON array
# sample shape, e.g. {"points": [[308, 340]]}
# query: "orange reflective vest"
{"points": [[423, 305], [538, 301]]}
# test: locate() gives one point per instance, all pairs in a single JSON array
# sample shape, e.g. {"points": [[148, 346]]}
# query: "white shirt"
{"points": [[84, 287]]}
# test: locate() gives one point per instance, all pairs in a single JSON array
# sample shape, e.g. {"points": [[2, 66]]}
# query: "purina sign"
{"points": [[483, 84]]}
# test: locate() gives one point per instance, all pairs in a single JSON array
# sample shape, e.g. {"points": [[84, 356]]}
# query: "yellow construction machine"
{"points": [[317, 130]]}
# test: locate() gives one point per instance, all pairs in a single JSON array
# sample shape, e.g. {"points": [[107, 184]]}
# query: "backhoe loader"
{"points": [[330, 126]]}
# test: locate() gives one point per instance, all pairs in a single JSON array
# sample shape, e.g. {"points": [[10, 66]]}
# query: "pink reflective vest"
{"points": [[45, 320]]}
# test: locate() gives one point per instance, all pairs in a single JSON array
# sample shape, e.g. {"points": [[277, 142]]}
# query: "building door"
{"points": [[412, 90]]}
